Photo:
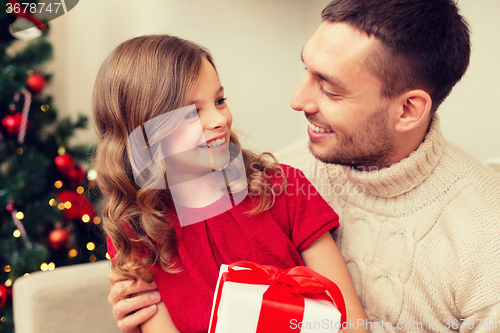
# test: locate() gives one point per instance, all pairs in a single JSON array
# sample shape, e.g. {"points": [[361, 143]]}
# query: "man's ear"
{"points": [[414, 107]]}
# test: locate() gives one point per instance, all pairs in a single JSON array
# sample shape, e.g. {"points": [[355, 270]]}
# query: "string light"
{"points": [[44, 107], [72, 253], [108, 256], [97, 220], [91, 174], [92, 258], [51, 266], [52, 202], [44, 267], [58, 184], [61, 150], [19, 151], [26, 274], [16, 233], [86, 218], [3, 319], [90, 246], [67, 205], [20, 215], [60, 206], [8, 283], [7, 269], [80, 190]]}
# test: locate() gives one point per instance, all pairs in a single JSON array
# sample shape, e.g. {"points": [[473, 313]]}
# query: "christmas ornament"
{"points": [[64, 163], [11, 124], [77, 174], [58, 238], [26, 109], [3, 295], [35, 83], [80, 206]]}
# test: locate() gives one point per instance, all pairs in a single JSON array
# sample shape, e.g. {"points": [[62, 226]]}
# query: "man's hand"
{"points": [[137, 307]]}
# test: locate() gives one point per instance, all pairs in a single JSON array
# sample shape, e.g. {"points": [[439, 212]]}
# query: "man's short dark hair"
{"points": [[425, 43]]}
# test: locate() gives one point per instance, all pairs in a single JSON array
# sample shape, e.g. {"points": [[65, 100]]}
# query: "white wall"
{"points": [[256, 45]]}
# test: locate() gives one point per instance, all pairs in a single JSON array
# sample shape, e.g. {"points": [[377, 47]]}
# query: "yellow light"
{"points": [[3, 319], [108, 256], [44, 267], [16, 233], [58, 184], [90, 246], [44, 107], [8, 283], [80, 190], [86, 218], [91, 174], [19, 151], [52, 202], [67, 205], [51, 266], [7, 268], [72, 253], [60, 206], [92, 258], [20, 215], [61, 150], [97, 220], [26, 274]]}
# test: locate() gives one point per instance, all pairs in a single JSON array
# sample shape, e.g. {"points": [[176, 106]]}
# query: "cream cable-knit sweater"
{"points": [[421, 239]]}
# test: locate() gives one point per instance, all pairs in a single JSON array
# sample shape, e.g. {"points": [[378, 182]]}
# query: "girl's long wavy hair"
{"points": [[141, 79]]}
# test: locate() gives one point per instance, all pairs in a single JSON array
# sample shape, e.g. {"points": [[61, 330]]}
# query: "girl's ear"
{"points": [[414, 108]]}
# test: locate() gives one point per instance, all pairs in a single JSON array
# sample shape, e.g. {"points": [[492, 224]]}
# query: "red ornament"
{"points": [[64, 163], [79, 205], [58, 238], [4, 293], [12, 123], [77, 174], [35, 83], [10, 206]]}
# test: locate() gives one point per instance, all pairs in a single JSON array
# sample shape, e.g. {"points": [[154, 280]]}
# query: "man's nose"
{"points": [[304, 97]]}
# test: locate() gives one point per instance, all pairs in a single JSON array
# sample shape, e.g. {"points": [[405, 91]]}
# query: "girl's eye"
{"points": [[220, 101], [192, 114]]}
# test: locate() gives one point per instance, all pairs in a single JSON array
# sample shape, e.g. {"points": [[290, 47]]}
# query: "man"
{"points": [[420, 219]]}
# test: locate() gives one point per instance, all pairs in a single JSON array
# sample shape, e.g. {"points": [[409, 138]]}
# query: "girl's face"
{"points": [[201, 142]]}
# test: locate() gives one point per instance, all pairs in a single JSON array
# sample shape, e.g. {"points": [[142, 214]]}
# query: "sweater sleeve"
{"points": [[301, 211], [486, 320]]}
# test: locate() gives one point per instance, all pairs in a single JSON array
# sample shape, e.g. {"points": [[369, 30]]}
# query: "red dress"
{"points": [[275, 237]]}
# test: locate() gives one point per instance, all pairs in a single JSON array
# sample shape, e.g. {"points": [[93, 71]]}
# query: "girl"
{"points": [[169, 165]]}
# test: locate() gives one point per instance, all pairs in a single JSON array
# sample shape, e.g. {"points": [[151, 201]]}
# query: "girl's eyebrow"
{"points": [[221, 88]]}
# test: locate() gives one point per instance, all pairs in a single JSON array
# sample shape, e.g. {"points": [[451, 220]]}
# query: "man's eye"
{"points": [[220, 101], [329, 94], [192, 114]]}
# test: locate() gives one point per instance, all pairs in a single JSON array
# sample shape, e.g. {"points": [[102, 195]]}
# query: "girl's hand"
{"points": [[133, 310], [324, 257]]}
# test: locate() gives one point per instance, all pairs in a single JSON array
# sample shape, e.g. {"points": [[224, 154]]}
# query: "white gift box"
{"points": [[240, 306]]}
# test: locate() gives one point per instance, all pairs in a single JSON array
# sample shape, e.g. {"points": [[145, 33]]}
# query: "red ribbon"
{"points": [[283, 301]]}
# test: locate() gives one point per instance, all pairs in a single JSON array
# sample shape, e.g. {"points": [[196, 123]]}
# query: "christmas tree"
{"points": [[47, 200]]}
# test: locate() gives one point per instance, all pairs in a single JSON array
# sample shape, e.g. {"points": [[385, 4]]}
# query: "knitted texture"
{"points": [[421, 239]]}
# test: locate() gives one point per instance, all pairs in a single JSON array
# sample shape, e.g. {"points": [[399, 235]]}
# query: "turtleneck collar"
{"points": [[403, 176]]}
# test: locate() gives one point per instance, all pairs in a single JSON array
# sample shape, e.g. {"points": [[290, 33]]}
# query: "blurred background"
{"points": [[256, 45]]}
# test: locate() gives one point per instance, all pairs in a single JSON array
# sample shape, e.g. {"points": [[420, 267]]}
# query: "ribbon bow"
{"points": [[283, 301]]}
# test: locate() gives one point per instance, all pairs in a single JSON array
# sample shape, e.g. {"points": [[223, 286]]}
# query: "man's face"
{"points": [[341, 99]]}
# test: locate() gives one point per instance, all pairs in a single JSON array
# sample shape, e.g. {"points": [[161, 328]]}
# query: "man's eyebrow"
{"points": [[332, 80]]}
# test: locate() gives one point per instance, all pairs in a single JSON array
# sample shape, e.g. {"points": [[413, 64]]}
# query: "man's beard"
{"points": [[367, 147]]}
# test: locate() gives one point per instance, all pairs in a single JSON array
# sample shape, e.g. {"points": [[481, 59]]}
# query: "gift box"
{"points": [[251, 298]]}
